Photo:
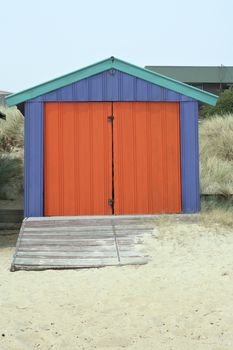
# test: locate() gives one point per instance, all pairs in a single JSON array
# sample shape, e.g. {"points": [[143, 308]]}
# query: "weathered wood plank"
{"points": [[80, 262], [69, 230], [72, 248], [79, 255], [68, 245], [91, 223], [72, 228], [66, 262], [69, 234], [80, 242], [97, 232], [62, 239]]}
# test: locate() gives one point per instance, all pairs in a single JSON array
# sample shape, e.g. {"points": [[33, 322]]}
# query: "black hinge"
{"points": [[111, 202], [110, 118]]}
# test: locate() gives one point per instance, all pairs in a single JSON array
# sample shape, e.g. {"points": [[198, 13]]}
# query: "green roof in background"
{"points": [[195, 74]]}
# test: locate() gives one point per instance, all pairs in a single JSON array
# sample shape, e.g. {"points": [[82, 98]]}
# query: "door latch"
{"points": [[111, 202], [110, 118]]}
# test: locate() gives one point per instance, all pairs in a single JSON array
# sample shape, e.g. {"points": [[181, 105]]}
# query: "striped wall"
{"points": [[112, 85]]}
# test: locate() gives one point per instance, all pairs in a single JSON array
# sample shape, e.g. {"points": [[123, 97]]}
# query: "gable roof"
{"points": [[112, 63]]}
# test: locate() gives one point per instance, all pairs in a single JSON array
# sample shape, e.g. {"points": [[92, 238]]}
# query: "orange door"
{"points": [[146, 158], [77, 158]]}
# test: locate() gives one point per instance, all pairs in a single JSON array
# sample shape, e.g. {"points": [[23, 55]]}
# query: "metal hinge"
{"points": [[111, 202], [110, 118]]}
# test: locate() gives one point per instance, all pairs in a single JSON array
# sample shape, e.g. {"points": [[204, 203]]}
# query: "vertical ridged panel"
{"points": [[78, 159], [189, 157], [146, 158], [171, 156], [112, 85], [33, 159]]}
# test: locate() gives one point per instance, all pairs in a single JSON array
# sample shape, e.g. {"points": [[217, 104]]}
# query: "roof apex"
{"points": [[99, 67]]}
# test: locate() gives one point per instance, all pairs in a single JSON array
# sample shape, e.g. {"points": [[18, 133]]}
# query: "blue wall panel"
{"points": [[33, 159], [189, 157], [112, 85]]}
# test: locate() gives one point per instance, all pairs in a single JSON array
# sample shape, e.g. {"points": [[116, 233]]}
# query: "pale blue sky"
{"points": [[43, 39]]}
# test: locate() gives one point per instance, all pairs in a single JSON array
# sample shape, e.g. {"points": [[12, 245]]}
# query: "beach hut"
{"points": [[110, 139]]}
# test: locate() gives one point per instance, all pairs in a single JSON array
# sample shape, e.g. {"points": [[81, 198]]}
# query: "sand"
{"points": [[182, 299]]}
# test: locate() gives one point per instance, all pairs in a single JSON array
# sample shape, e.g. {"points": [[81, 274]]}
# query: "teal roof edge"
{"points": [[99, 67]]}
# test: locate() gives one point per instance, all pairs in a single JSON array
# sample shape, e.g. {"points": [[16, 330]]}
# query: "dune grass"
{"points": [[11, 130], [11, 153], [216, 155], [11, 176], [217, 211], [216, 165]]}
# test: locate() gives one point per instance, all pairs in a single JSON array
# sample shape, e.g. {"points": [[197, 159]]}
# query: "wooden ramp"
{"points": [[80, 242]]}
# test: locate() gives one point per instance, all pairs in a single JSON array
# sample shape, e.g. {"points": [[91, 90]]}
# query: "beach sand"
{"points": [[182, 299]]}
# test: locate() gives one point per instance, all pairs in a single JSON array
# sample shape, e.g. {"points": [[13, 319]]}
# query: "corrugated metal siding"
{"points": [[115, 87], [189, 157], [77, 159], [33, 159], [112, 85], [146, 158]]}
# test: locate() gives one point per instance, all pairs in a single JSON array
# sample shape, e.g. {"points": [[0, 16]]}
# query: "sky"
{"points": [[44, 39]]}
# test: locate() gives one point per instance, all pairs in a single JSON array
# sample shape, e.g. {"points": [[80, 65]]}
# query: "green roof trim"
{"points": [[125, 67]]}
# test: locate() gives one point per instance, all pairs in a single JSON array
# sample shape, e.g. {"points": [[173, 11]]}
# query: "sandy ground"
{"points": [[182, 299]]}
